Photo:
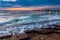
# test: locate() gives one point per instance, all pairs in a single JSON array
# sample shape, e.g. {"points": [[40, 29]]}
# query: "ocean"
{"points": [[18, 22]]}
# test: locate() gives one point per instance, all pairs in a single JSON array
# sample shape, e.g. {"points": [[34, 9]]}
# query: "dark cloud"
{"points": [[31, 2]]}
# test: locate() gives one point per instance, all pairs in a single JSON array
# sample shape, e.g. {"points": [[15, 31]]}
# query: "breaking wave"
{"points": [[20, 24]]}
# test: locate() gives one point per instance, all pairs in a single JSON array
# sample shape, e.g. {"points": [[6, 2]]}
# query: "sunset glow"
{"points": [[19, 9], [28, 8]]}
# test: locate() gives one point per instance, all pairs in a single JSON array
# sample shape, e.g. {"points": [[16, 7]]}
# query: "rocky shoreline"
{"points": [[29, 33]]}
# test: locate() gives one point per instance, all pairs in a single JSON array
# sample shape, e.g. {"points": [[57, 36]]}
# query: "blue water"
{"points": [[19, 22]]}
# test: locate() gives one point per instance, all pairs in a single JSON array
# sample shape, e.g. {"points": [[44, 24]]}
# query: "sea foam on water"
{"points": [[20, 24]]}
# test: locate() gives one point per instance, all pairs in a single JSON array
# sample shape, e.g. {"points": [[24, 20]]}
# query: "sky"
{"points": [[28, 3]]}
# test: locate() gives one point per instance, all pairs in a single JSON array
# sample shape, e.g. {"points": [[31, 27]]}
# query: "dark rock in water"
{"points": [[5, 37], [41, 31], [45, 31], [57, 27]]}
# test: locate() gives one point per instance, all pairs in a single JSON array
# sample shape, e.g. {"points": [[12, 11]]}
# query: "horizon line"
{"points": [[29, 8]]}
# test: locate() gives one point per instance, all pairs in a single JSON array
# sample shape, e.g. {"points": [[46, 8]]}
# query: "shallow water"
{"points": [[22, 21]]}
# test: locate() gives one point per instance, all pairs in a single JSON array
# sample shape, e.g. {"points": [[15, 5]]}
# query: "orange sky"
{"points": [[28, 8], [19, 9]]}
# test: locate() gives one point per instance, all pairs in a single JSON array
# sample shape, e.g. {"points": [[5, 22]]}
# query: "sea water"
{"points": [[17, 23]]}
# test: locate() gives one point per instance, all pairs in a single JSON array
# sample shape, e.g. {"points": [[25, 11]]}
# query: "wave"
{"points": [[27, 19], [22, 23]]}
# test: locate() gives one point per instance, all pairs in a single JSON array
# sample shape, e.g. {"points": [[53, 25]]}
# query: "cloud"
{"points": [[8, 0], [16, 6], [28, 2]]}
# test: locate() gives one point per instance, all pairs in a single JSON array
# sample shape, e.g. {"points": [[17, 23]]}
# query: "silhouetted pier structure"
{"points": [[48, 10]]}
